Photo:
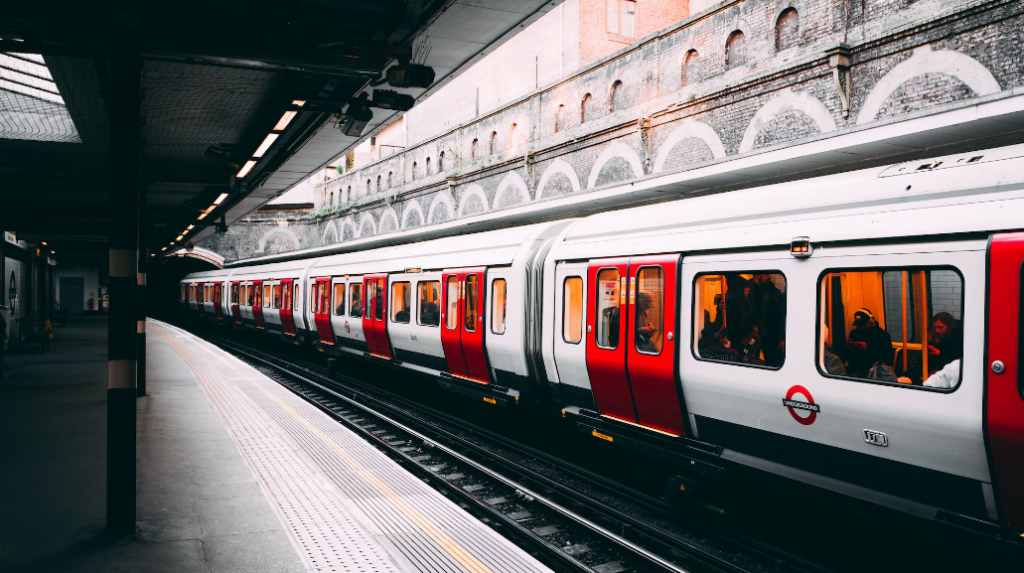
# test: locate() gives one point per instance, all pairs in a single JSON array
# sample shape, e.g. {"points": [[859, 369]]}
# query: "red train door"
{"points": [[322, 309], [462, 335], [236, 312], [451, 318], [650, 352], [607, 338], [375, 315], [257, 306], [287, 318], [1005, 379], [631, 357], [218, 307]]}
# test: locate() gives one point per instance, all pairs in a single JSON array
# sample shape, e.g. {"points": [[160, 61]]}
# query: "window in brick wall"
{"points": [[622, 18], [512, 137], [426, 167], [332, 199], [368, 187], [440, 162], [691, 68], [560, 118], [735, 50], [413, 177], [787, 30], [472, 149], [492, 148], [348, 195], [585, 108], [378, 184], [615, 97], [389, 179]]}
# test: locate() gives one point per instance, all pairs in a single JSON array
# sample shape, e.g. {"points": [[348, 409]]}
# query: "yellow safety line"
{"points": [[450, 546]]}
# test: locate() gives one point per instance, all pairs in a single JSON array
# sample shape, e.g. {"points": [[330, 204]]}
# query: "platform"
{"points": [[235, 473]]}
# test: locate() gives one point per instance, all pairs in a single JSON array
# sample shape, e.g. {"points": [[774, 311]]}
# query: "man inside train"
{"points": [[429, 315], [945, 343], [769, 314], [867, 344], [648, 337], [357, 304]]}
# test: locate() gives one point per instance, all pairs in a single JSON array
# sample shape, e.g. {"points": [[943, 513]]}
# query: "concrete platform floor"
{"points": [[199, 507]]}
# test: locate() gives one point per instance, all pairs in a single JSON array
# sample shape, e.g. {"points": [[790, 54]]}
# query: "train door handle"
{"points": [[998, 367], [589, 328], [669, 336]]}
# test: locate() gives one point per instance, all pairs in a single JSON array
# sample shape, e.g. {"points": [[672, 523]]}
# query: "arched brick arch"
{"points": [[926, 61], [558, 166], [787, 100], [441, 198], [348, 229], [471, 190], [388, 221], [277, 231], [330, 234], [366, 220], [615, 149], [511, 183], [412, 207], [696, 130]]}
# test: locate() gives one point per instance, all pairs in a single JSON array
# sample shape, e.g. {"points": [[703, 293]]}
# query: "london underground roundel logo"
{"points": [[801, 405]]}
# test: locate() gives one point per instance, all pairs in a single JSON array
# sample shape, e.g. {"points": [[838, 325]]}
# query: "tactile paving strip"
{"points": [[344, 502]]}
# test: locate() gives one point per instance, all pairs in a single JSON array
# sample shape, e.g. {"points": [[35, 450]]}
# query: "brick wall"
{"points": [[782, 94]]}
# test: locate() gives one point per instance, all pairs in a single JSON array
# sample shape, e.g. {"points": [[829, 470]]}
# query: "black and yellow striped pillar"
{"points": [[125, 110]]}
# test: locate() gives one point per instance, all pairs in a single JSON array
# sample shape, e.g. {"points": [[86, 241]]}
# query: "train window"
{"points": [[740, 317], [572, 310], [498, 305], [649, 310], [325, 300], [899, 326], [277, 296], [472, 302], [451, 321], [184, 292], [312, 296], [401, 302], [255, 295], [430, 302], [355, 292], [286, 297], [608, 289], [297, 290], [267, 296], [378, 300], [339, 299]]}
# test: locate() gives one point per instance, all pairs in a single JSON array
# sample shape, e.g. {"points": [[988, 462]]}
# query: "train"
{"points": [[859, 333]]}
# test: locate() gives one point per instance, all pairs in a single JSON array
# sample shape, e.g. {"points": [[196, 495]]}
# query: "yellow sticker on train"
{"points": [[490, 400], [602, 436]]}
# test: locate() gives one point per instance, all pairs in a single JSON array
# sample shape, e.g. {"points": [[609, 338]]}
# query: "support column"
{"points": [[140, 349], [125, 105]]}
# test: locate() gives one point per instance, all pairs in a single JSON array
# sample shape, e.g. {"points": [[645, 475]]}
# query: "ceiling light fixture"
{"points": [[284, 121], [220, 199], [163, 249], [265, 145], [246, 168], [299, 102], [178, 239], [44, 244], [190, 227]]}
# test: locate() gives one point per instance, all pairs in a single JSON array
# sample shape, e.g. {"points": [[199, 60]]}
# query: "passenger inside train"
{"points": [[356, 296], [906, 329], [741, 317]]}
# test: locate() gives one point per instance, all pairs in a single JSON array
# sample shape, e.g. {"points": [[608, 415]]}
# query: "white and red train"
{"points": [[860, 333]]}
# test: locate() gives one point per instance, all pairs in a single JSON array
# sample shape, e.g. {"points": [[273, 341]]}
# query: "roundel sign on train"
{"points": [[801, 405]]}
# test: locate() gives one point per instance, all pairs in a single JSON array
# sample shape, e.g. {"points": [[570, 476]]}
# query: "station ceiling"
{"points": [[218, 76]]}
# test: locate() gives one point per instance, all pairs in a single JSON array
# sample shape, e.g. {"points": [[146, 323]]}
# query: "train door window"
{"points": [[286, 297], [378, 300], [472, 302], [899, 326], [339, 299], [401, 302], [267, 296], [277, 296], [430, 302], [355, 292], [608, 300], [184, 292], [572, 310], [451, 321], [325, 298], [498, 305], [297, 291], [740, 317], [649, 310]]}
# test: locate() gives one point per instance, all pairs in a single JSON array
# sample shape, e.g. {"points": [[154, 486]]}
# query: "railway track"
{"points": [[563, 516]]}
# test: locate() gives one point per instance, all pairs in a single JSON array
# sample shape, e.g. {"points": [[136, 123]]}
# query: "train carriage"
{"points": [[858, 333]]}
